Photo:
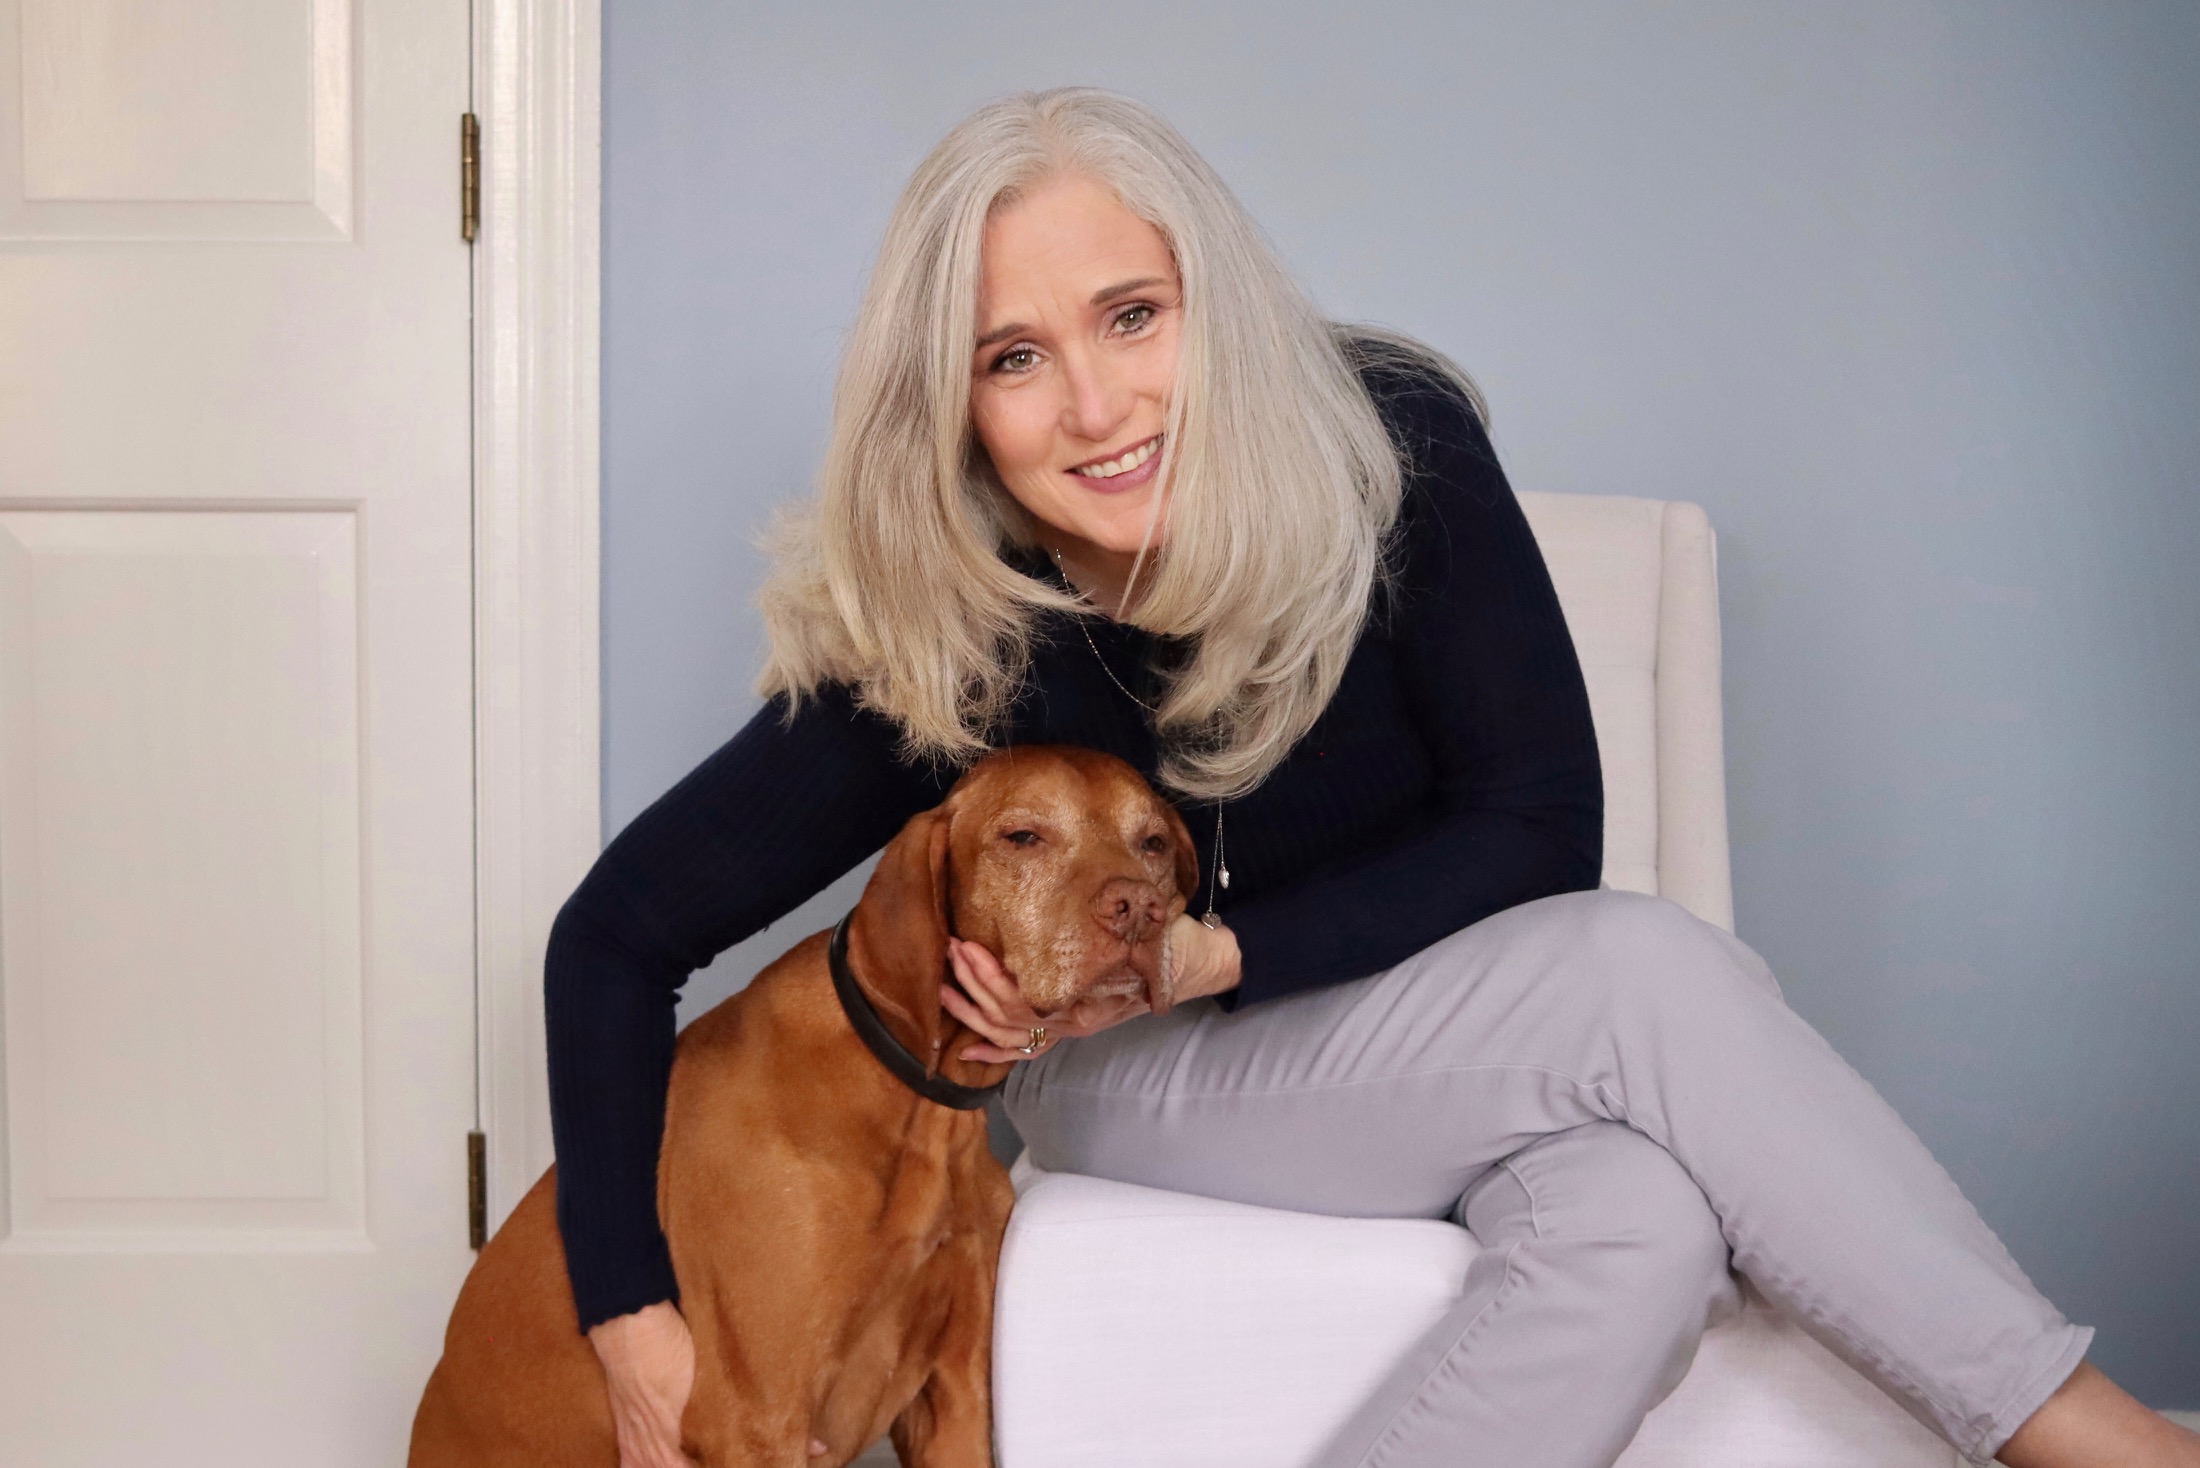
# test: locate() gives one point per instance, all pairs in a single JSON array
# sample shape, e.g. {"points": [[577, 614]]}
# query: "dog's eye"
{"points": [[1021, 838], [1155, 845]]}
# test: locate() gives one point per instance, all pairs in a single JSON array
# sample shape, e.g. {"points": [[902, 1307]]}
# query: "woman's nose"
{"points": [[1099, 399]]}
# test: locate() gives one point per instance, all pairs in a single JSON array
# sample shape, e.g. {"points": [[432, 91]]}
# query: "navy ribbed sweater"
{"points": [[1454, 774]]}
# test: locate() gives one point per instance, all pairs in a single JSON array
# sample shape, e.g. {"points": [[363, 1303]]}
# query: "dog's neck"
{"points": [[901, 972]]}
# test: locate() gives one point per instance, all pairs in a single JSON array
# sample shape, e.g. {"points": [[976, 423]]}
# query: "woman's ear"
{"points": [[899, 936]]}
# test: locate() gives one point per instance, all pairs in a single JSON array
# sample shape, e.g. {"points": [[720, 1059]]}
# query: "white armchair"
{"points": [[1132, 1324]]}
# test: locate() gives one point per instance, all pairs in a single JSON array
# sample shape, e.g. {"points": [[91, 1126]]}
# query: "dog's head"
{"points": [[1062, 861]]}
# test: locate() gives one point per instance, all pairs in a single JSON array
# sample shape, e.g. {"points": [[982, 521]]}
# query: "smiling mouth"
{"points": [[1128, 462]]}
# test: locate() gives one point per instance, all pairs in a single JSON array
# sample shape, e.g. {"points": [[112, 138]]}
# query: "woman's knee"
{"points": [[1639, 1220], [1660, 1209], [1637, 949]]}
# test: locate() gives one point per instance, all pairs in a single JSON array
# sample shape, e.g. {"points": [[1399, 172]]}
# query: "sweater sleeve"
{"points": [[1491, 682], [764, 823]]}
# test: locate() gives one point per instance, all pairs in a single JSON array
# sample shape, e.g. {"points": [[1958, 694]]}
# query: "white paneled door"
{"points": [[236, 873]]}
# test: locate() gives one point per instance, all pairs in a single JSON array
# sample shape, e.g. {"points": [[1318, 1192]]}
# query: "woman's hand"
{"points": [[1204, 961], [991, 1004], [649, 1363]]}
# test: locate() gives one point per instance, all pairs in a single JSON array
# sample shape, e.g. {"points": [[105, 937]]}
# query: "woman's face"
{"points": [[1078, 310]]}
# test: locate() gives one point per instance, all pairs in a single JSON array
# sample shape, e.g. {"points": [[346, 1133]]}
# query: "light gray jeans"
{"points": [[1612, 1096]]}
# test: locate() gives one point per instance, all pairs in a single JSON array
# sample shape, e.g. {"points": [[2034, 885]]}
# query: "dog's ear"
{"points": [[1161, 989], [1187, 855], [900, 934]]}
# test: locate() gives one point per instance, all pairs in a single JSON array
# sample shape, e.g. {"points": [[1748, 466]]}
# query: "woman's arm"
{"points": [[779, 811], [1492, 684]]}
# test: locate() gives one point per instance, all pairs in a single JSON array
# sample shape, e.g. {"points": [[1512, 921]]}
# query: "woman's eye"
{"points": [[1134, 318], [1021, 838], [1015, 359]]}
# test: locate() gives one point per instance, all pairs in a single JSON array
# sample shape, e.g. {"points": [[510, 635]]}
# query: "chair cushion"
{"points": [[1131, 1322]]}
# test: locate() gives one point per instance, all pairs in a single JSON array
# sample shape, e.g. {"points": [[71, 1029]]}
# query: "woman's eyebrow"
{"points": [[1099, 298], [1102, 297]]}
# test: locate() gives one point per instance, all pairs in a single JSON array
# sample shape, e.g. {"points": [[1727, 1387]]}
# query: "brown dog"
{"points": [[834, 1233]]}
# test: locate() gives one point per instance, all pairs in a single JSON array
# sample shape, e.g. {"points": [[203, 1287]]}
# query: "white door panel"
{"points": [[236, 921], [158, 119], [179, 869]]}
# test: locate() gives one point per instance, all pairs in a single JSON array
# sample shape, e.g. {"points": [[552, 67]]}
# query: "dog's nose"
{"points": [[1130, 909]]}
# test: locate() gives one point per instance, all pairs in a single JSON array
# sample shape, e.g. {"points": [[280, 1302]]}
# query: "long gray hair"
{"points": [[1281, 483]]}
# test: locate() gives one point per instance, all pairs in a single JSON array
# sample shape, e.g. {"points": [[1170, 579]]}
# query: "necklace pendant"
{"points": [[1222, 877]]}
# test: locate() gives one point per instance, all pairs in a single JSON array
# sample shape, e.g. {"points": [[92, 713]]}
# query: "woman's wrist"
{"points": [[1207, 958], [620, 1338]]}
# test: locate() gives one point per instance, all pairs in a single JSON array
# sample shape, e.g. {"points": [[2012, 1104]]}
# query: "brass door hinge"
{"points": [[477, 1190], [469, 177]]}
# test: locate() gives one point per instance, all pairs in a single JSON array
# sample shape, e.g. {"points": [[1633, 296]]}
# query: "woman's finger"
{"points": [[1086, 1017], [997, 1007], [993, 979], [994, 1008], [997, 1054], [1008, 1040], [956, 1003], [1006, 1049]]}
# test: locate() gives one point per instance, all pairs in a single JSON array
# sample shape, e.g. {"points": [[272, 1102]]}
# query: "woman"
{"points": [[1100, 474]]}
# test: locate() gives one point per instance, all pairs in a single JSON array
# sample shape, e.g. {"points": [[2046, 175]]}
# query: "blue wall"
{"points": [[1908, 296]]}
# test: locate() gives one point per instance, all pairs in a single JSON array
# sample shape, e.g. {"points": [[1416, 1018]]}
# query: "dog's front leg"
{"points": [[950, 1424], [747, 1409]]}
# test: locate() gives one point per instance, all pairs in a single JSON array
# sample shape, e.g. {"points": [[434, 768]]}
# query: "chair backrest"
{"points": [[1639, 582]]}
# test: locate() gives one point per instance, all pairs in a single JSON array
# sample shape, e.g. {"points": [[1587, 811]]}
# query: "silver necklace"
{"points": [[1221, 876]]}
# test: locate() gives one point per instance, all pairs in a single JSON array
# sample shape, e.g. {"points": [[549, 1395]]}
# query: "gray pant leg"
{"points": [[1393, 1095], [1601, 1265]]}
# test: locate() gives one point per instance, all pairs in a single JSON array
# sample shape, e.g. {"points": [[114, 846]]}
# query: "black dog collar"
{"points": [[880, 1041]]}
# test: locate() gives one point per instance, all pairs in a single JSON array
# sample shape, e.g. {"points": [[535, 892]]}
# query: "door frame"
{"points": [[537, 781]]}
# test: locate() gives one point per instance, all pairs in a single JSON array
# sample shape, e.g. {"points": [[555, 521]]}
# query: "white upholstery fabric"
{"points": [[1132, 1322], [1639, 583], [1692, 855], [1138, 1327], [1129, 1322], [1606, 555]]}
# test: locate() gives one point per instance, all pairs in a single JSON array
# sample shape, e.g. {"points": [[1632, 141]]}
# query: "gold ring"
{"points": [[1038, 1038]]}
